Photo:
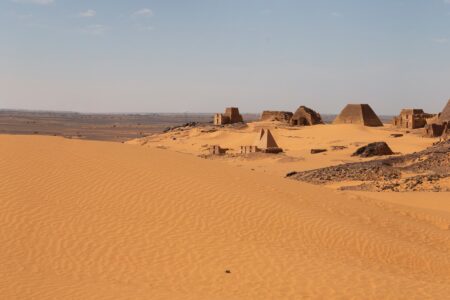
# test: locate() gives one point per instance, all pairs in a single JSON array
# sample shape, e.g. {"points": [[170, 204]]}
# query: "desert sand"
{"points": [[100, 220], [295, 141]]}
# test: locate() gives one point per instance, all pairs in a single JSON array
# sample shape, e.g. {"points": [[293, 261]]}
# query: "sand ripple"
{"points": [[93, 220]]}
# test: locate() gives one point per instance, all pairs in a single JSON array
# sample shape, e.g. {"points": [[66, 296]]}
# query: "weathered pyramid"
{"points": [[445, 114], [266, 142], [259, 137], [358, 114], [305, 116]]}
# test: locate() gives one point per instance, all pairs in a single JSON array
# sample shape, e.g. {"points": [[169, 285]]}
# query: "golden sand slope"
{"points": [[97, 220], [296, 141]]}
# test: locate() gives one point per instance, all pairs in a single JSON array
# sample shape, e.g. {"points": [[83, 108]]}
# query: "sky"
{"points": [[205, 55]]}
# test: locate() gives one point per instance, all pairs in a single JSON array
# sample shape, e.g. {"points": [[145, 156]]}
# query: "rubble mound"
{"points": [[374, 149], [371, 171], [183, 126], [421, 171], [419, 183]]}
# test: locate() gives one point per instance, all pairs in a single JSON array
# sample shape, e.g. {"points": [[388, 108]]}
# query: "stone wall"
{"points": [[282, 116]]}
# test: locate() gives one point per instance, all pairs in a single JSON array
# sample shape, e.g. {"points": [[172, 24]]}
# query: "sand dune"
{"points": [[99, 220]]}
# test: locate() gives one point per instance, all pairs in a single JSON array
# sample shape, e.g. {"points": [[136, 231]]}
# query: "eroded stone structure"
{"points": [[446, 132], [265, 142], [361, 114], [217, 150], [230, 116], [249, 149], [281, 116], [411, 119], [434, 130], [305, 116], [439, 126], [445, 114]]}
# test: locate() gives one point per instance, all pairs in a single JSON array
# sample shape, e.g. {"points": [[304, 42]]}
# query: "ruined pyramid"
{"points": [[445, 114], [266, 142], [358, 114]]}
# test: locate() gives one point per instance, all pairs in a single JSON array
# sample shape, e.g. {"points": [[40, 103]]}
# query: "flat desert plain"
{"points": [[103, 220]]}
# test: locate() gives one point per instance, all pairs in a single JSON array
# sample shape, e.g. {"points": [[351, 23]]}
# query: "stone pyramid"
{"points": [[445, 114], [265, 140], [358, 114]]}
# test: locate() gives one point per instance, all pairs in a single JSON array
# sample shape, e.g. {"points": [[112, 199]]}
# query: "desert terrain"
{"points": [[340, 141], [158, 218], [224, 150], [101, 127]]}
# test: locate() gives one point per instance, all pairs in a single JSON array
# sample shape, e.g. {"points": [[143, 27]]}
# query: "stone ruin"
{"points": [[439, 125], [249, 149], [435, 129], [445, 114], [217, 150], [358, 114], [374, 149], [305, 116], [317, 151], [265, 142], [230, 116], [411, 119], [281, 116]]}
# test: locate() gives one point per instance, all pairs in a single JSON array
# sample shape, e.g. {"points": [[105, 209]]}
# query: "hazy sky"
{"points": [[203, 55]]}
